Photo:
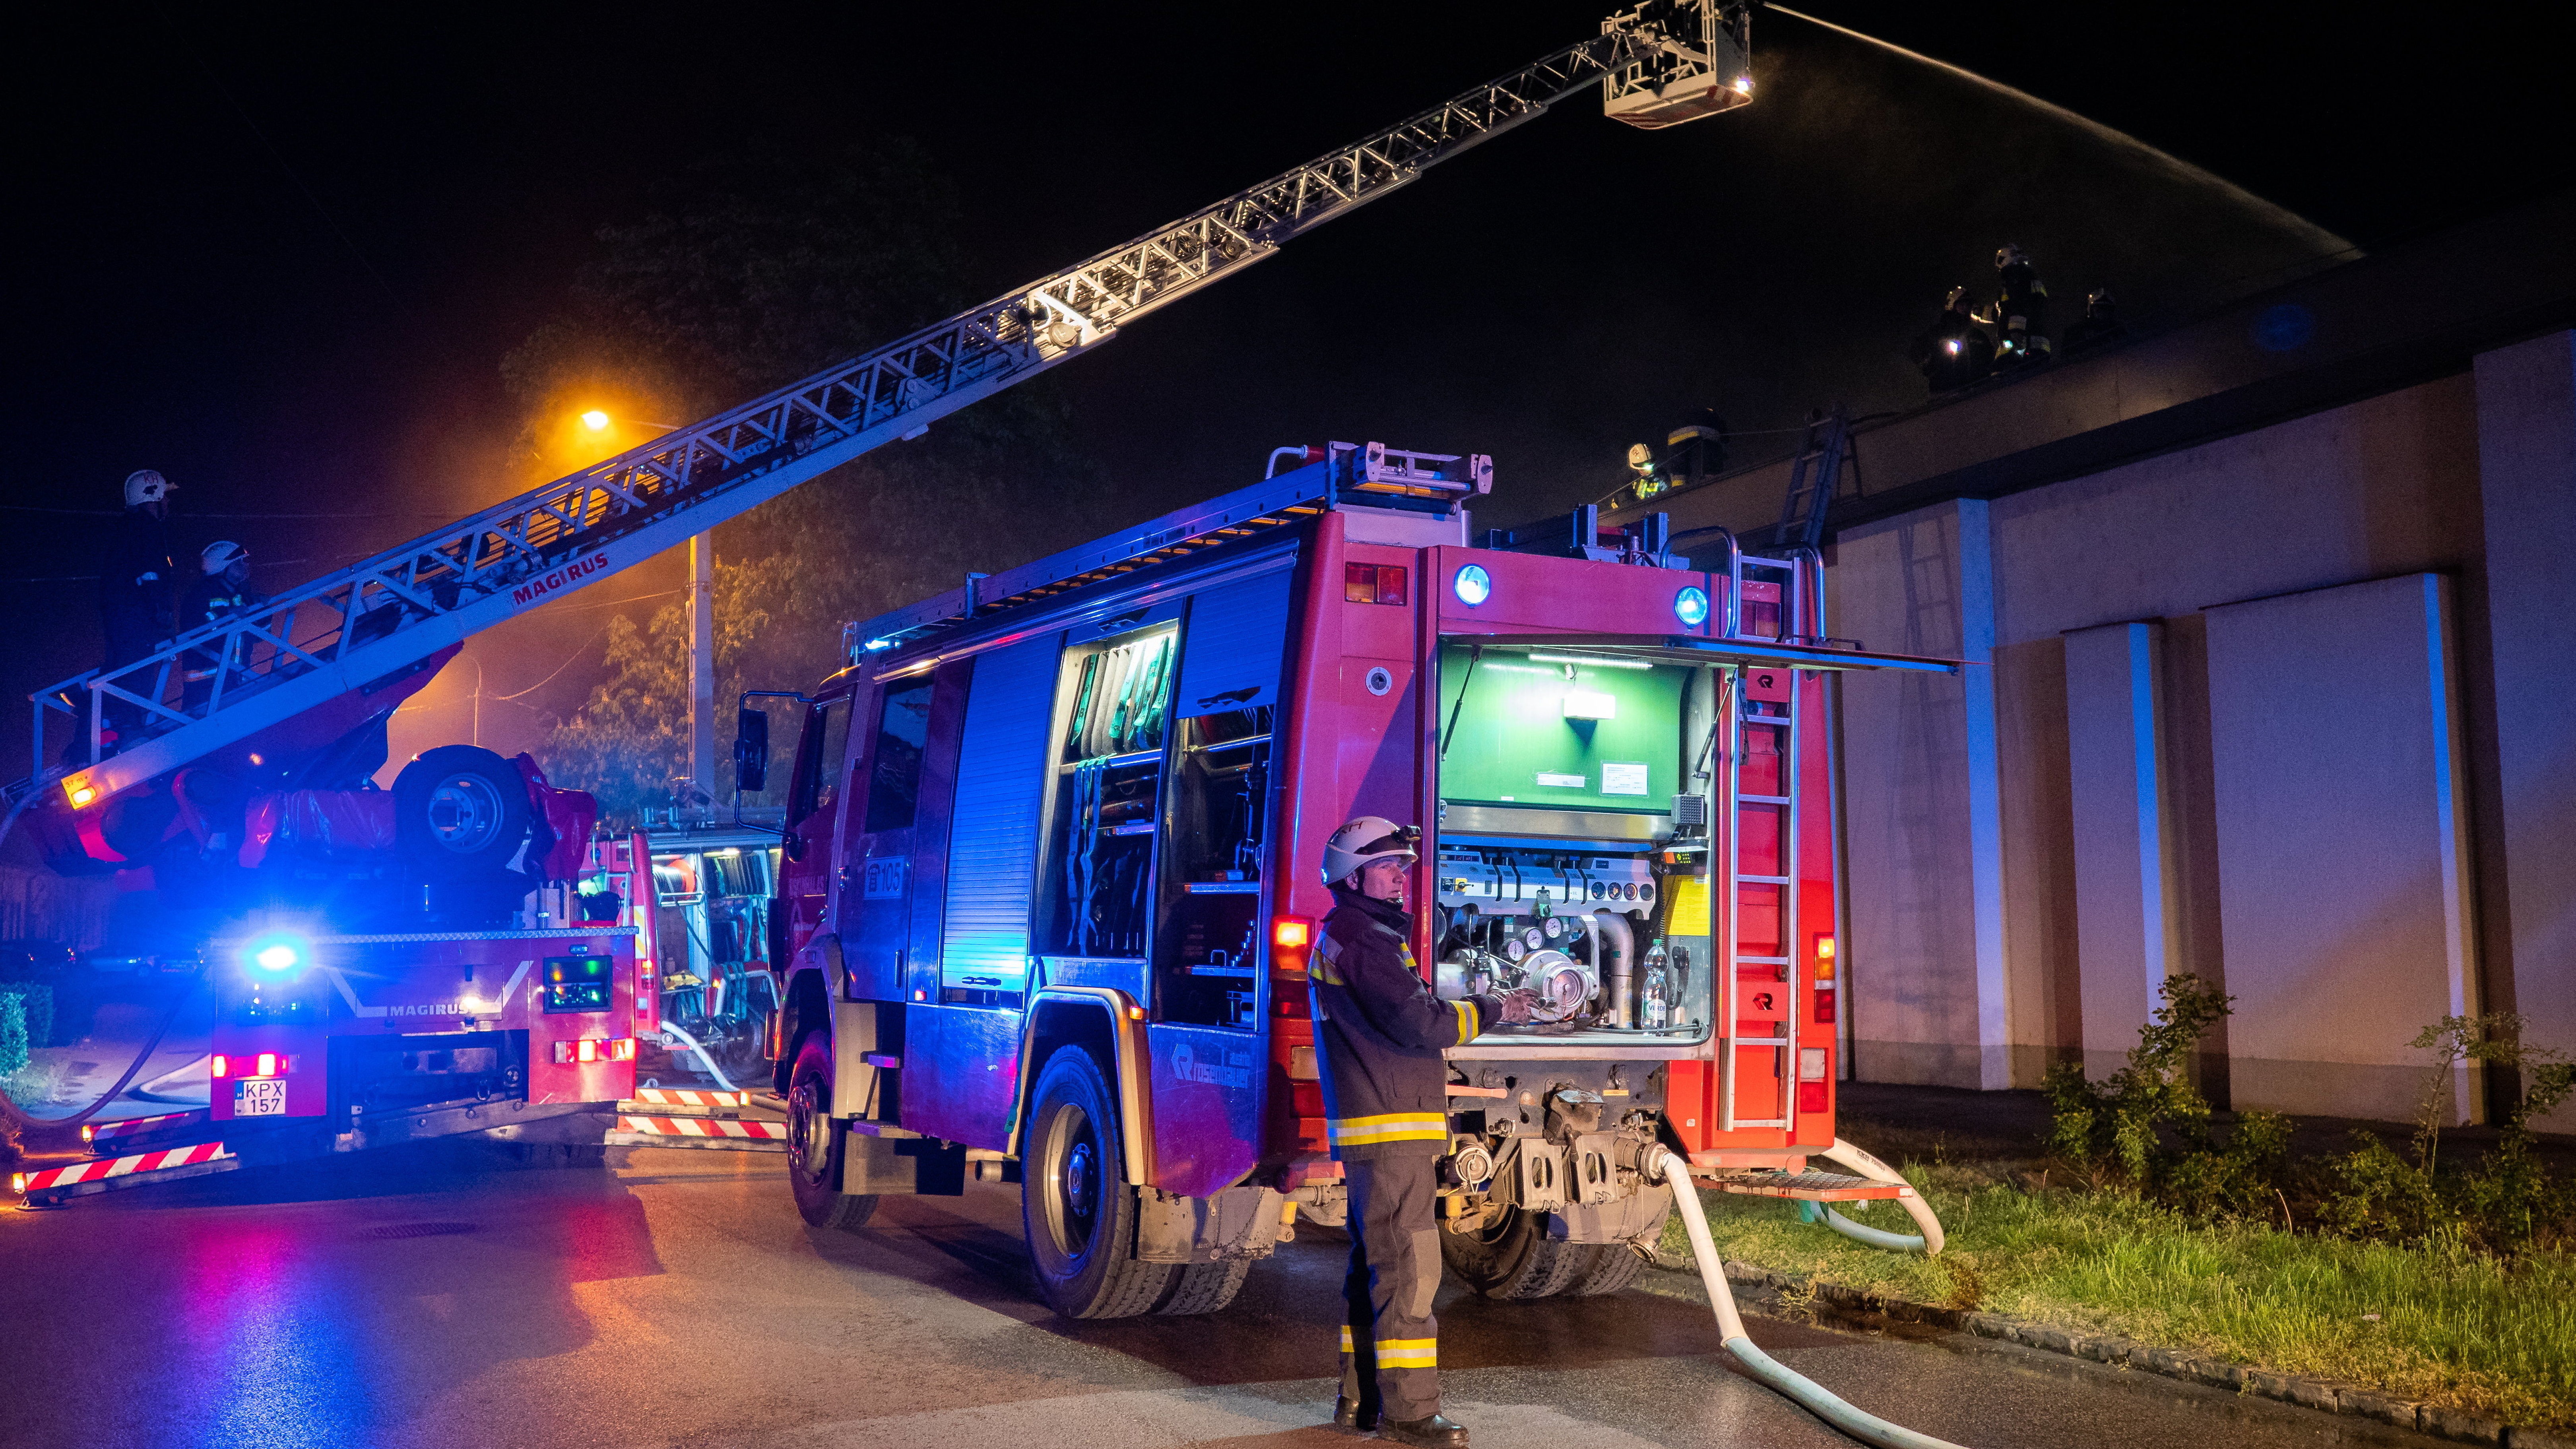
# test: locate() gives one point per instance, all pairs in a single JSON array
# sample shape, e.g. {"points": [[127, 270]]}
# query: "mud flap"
{"points": [[905, 1166], [1240, 1222]]}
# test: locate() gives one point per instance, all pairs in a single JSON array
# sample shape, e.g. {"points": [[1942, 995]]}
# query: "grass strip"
{"points": [[2438, 1324]]}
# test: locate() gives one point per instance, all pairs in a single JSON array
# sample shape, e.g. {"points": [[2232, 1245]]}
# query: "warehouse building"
{"points": [[2273, 624]]}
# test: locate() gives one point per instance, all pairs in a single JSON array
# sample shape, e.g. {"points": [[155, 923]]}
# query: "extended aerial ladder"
{"points": [[389, 617]]}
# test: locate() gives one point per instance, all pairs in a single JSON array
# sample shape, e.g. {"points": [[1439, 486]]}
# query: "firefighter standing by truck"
{"points": [[1380, 1031]]}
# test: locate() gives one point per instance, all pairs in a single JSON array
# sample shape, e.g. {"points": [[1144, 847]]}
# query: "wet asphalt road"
{"points": [[437, 1296]]}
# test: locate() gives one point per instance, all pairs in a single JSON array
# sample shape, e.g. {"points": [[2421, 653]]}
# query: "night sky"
{"points": [[279, 258]]}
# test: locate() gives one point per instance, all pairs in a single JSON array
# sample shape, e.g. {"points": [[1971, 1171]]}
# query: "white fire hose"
{"points": [[1669, 1167], [1915, 1207], [693, 1044]]}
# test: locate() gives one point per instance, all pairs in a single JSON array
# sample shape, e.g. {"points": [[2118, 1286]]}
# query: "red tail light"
{"points": [[221, 1065], [1289, 938], [267, 1064], [1825, 1006], [1814, 1096], [1373, 583]]}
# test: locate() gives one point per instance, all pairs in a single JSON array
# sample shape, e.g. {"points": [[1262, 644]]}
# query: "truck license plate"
{"points": [[259, 1099]]}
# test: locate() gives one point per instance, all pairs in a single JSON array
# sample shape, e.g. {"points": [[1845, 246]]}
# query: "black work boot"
{"points": [[1438, 1432], [1349, 1415]]}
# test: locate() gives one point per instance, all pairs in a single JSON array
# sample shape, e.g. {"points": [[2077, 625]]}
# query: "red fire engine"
{"points": [[1053, 877], [392, 964]]}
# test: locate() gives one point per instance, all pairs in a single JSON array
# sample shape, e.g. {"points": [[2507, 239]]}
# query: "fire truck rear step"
{"points": [[53, 1186], [111, 1139], [1806, 1186], [679, 1130], [666, 1098]]}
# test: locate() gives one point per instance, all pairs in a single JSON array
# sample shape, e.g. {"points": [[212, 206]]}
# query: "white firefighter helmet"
{"points": [[145, 486], [219, 555], [1368, 839]]}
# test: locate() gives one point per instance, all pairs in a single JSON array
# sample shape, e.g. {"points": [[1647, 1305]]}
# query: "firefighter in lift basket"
{"points": [[1379, 1031]]}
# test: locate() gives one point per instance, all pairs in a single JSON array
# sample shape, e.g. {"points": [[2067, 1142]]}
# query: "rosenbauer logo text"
{"points": [[560, 579]]}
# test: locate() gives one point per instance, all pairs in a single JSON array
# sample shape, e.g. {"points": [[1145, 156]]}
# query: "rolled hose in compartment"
{"points": [[1805, 1392]]}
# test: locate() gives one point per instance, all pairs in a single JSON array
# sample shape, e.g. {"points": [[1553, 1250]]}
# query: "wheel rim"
{"points": [[809, 1132], [464, 813], [1073, 1183]]}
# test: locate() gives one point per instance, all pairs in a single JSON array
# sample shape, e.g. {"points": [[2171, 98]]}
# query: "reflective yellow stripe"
{"points": [[1408, 1353], [1390, 1127], [1466, 1019], [1346, 1338]]}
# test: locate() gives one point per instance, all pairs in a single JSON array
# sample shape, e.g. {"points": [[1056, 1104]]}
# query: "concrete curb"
{"points": [[2324, 1394]]}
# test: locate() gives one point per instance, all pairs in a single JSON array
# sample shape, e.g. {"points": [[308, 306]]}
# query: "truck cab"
{"points": [[1053, 879]]}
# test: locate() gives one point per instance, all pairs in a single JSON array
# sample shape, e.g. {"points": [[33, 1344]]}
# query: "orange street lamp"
{"points": [[598, 421]]}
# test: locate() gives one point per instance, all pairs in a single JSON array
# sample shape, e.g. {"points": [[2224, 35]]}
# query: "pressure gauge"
{"points": [[1533, 938], [1514, 949], [1553, 927]]}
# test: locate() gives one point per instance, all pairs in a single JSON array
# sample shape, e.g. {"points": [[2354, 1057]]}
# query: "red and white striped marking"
{"points": [[102, 1132], [702, 1127], [679, 1097], [80, 1172]]}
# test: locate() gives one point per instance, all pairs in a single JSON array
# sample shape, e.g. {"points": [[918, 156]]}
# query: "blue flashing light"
{"points": [[1473, 585], [1691, 606], [873, 645], [276, 956]]}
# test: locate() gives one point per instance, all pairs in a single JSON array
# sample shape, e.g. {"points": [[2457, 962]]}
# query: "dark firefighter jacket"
{"points": [[1379, 1031], [212, 598], [134, 571]]}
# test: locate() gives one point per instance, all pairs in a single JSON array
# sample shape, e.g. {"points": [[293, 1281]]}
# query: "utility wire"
{"points": [[577, 656]]}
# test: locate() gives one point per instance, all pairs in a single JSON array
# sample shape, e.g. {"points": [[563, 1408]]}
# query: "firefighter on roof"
{"points": [[1380, 1032]]}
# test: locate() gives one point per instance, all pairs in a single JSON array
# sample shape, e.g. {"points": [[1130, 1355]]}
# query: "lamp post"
{"points": [[702, 638]]}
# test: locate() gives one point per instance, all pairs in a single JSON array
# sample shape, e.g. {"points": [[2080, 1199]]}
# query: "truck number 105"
{"points": [[884, 879]]}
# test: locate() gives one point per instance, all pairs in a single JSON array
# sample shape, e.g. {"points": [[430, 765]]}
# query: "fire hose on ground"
{"points": [[1805, 1392], [27, 1121]]}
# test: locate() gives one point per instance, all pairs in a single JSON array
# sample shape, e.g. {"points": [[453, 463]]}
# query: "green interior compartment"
{"points": [[1514, 744]]}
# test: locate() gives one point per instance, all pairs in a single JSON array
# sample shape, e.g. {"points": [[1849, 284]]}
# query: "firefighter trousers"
{"points": [[1390, 1342]]}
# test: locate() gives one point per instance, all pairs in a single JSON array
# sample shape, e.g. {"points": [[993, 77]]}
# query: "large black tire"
{"points": [[815, 1143], [1515, 1258], [1204, 1288], [459, 811], [1076, 1208], [1614, 1267]]}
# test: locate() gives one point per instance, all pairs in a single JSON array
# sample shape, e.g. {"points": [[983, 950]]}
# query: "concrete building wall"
{"points": [[2034, 847], [1925, 956], [2343, 886], [2121, 835], [2527, 474], [2025, 843]]}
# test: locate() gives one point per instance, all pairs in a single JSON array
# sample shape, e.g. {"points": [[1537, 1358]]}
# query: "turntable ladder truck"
{"points": [[310, 677]]}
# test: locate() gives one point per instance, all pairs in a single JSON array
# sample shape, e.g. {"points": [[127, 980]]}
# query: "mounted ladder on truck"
{"points": [[298, 709]]}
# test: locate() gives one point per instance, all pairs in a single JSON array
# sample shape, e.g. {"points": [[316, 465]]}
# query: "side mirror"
{"points": [[751, 751]]}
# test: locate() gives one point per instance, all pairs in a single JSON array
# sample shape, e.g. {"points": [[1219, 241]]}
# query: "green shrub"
{"points": [[2508, 1203], [13, 1036], [2148, 1125], [36, 1005]]}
